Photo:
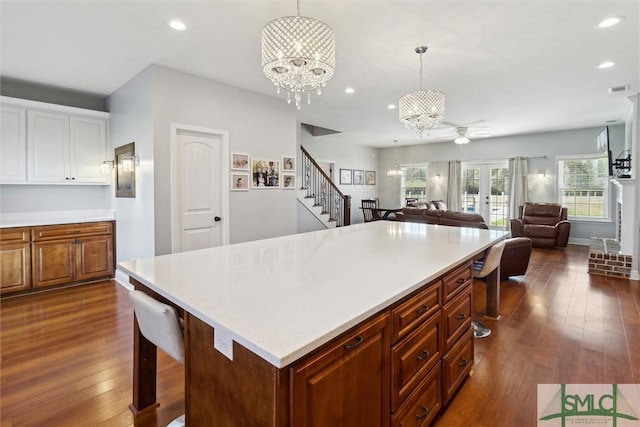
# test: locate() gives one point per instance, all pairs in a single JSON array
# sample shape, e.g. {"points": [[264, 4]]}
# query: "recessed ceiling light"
{"points": [[177, 25], [349, 90], [609, 22], [391, 106], [606, 64]]}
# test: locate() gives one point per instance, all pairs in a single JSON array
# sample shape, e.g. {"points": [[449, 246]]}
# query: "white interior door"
{"points": [[199, 172]]}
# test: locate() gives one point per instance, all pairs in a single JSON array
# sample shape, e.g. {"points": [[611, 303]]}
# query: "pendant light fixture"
{"points": [[397, 171], [298, 55], [422, 109]]}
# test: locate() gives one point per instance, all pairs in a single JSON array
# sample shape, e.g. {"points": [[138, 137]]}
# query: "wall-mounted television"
{"points": [[602, 146]]}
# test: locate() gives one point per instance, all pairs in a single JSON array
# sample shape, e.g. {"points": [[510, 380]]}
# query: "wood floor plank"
{"points": [[66, 355]]}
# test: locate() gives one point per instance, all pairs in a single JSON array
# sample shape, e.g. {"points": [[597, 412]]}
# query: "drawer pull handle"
{"points": [[359, 341], [423, 309], [461, 280], [461, 316], [424, 355], [463, 362], [425, 412]]}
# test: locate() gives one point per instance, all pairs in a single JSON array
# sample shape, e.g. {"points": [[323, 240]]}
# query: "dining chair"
{"points": [[369, 211], [160, 324]]}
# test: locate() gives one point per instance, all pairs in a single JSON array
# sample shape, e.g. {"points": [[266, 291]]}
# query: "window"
{"points": [[414, 183], [583, 186]]}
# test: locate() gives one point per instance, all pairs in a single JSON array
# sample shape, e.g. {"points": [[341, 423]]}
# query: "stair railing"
{"points": [[323, 190]]}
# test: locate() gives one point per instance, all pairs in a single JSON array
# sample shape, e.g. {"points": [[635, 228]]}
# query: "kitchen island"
{"points": [[318, 327]]}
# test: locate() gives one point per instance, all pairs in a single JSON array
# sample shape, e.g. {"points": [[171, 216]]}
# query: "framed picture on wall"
{"points": [[358, 177], [265, 173], [370, 177], [125, 165], [345, 176], [288, 164], [240, 161], [288, 181], [239, 181]]}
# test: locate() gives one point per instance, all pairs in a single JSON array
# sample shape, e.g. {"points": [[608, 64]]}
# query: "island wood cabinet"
{"points": [[398, 368], [52, 144], [15, 259], [41, 256]]}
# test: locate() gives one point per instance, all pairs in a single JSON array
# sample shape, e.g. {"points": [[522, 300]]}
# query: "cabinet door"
{"points": [[94, 257], [348, 383], [48, 146], [53, 262], [15, 267], [13, 149], [87, 149]]}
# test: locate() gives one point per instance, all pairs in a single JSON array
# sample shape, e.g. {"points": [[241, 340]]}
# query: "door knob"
{"points": [[217, 218]]}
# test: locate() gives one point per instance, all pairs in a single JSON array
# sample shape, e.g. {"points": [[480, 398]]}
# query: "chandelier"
{"points": [[422, 109], [298, 55], [397, 171]]}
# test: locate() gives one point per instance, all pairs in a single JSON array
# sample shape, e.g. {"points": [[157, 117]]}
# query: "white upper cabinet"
{"points": [[13, 145], [64, 145]]}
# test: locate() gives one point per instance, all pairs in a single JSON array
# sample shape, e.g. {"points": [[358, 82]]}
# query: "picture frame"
{"points": [[358, 177], [240, 161], [265, 173], [345, 176], [370, 177], [239, 181], [288, 164], [288, 181], [125, 170]]}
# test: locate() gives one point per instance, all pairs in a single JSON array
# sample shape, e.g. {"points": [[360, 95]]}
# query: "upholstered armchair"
{"points": [[544, 223]]}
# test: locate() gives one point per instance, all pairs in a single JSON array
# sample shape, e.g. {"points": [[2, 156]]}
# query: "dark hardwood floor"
{"points": [[67, 354]]}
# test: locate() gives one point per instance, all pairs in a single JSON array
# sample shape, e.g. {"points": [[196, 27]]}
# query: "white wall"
{"points": [[34, 198], [131, 120], [346, 156], [262, 126], [540, 148]]}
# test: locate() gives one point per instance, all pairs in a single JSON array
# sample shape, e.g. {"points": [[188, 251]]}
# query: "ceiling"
{"points": [[507, 67]]}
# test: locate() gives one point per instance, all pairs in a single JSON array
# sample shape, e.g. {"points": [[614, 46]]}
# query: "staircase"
{"points": [[321, 196]]}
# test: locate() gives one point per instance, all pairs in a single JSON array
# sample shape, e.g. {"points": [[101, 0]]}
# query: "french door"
{"points": [[485, 191]]}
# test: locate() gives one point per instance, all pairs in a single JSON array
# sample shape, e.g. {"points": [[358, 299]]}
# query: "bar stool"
{"points": [[160, 324], [481, 269]]}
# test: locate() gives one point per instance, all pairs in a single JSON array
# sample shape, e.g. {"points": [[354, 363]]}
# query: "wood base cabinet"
{"points": [[398, 368], [72, 253], [15, 260], [42, 256]]}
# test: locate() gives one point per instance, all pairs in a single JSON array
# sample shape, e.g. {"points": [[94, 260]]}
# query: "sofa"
{"points": [[435, 212], [544, 223]]}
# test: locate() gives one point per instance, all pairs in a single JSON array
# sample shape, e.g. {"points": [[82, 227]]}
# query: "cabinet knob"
{"points": [[67, 178], [461, 316], [460, 281], [463, 362], [217, 218]]}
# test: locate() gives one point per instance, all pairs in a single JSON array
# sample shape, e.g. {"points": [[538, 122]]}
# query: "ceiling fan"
{"points": [[464, 132]]}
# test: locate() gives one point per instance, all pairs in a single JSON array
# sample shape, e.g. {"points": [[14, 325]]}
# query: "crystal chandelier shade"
{"points": [[298, 55], [421, 110]]}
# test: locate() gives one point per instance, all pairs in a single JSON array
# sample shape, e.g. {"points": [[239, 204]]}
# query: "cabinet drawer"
{"points": [[51, 232], [423, 404], [413, 357], [15, 235], [456, 317], [455, 281], [456, 365], [418, 308]]}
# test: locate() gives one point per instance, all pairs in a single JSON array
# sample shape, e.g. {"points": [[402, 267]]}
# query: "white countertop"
{"points": [[28, 219], [283, 297]]}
